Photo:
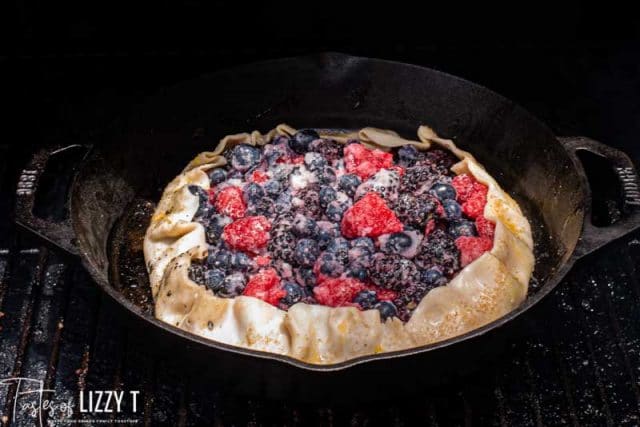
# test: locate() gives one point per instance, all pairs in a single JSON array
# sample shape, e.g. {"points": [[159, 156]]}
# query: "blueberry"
{"points": [[306, 252], [241, 261], [365, 243], [217, 175], [335, 210], [204, 207], [327, 195], [357, 272], [304, 226], [397, 243], [233, 285], [340, 247], [452, 209], [407, 155], [294, 294], [243, 157], [283, 203], [305, 276], [387, 309], [300, 141], [462, 228], [213, 279], [330, 265], [253, 193], [221, 259], [315, 162], [272, 188], [433, 277], [349, 183], [444, 191], [327, 175], [327, 231], [366, 299]]}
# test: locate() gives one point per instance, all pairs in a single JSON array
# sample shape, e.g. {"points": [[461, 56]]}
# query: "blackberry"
{"points": [[196, 272], [329, 149], [263, 206], [417, 178], [244, 157], [442, 159], [310, 202], [306, 252], [438, 250], [366, 299], [349, 183], [414, 210], [301, 140], [392, 271], [281, 245]]}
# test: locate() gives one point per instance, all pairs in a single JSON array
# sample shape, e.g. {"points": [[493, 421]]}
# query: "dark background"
{"points": [[68, 70]]}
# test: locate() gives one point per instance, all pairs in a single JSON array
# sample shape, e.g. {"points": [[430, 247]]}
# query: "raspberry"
{"points": [[431, 225], [265, 285], [370, 217], [338, 292], [230, 202], [464, 186], [247, 234], [472, 247], [473, 207], [384, 294], [259, 177], [392, 271], [485, 227], [262, 260], [363, 162]]}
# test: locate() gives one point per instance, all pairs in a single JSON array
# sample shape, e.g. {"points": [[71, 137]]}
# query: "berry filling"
{"points": [[305, 219]]}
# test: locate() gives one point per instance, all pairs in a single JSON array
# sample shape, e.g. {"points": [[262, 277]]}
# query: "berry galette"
{"points": [[328, 245]]}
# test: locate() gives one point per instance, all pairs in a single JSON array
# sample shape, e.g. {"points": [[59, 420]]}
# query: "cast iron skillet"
{"points": [[125, 172]]}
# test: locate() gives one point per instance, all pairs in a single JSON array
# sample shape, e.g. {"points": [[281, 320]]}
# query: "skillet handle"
{"points": [[59, 232], [594, 237]]}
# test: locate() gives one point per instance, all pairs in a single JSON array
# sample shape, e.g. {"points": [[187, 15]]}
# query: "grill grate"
{"points": [[576, 361]]}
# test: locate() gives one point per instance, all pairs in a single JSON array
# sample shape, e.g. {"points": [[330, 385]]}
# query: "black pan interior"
{"points": [[114, 193]]}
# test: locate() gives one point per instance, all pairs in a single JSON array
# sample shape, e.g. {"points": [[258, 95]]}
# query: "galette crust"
{"points": [[483, 291]]}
